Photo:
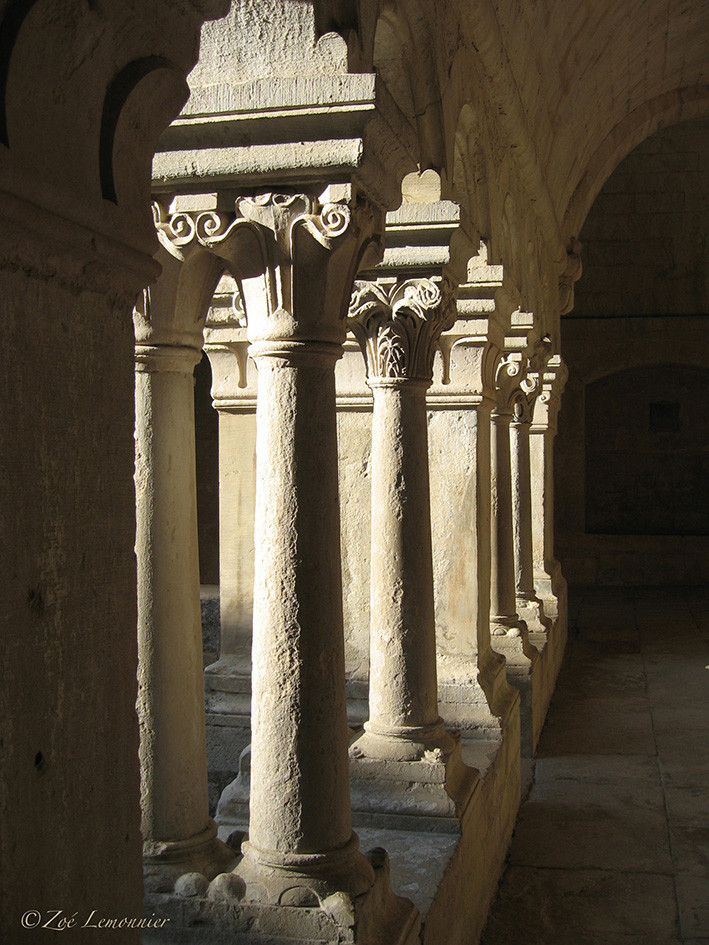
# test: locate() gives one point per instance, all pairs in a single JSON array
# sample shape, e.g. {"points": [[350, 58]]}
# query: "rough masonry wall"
{"points": [[69, 801], [646, 239]]}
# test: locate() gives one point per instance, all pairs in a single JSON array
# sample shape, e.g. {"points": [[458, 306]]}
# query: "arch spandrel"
{"points": [[78, 140]]}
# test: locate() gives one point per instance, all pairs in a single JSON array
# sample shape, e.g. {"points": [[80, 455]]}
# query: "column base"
{"points": [[303, 879], [227, 684], [227, 693], [551, 590], [531, 612], [233, 806], [223, 911], [428, 792], [506, 625], [164, 862]]}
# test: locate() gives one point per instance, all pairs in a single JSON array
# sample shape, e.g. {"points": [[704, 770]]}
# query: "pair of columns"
{"points": [[514, 605]]}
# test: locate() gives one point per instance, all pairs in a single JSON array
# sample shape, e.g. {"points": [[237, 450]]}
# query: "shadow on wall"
{"points": [[633, 465]]}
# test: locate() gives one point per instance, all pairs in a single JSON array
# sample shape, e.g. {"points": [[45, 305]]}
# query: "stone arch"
{"points": [[403, 56], [82, 103], [669, 109], [644, 354], [469, 170], [129, 133], [12, 22]]}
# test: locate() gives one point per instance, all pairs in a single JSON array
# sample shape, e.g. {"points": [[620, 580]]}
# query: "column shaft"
{"points": [[503, 609], [522, 509], [546, 568], [403, 692], [170, 704], [300, 807]]}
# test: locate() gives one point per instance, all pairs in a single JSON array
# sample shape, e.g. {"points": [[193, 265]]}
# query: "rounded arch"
{"points": [[669, 109], [404, 56], [645, 354], [128, 132], [82, 107]]}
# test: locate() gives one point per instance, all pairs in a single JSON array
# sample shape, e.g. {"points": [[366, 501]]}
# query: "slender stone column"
{"points": [[398, 325], [295, 257], [509, 634], [504, 620], [549, 582], [300, 817], [403, 700], [528, 604], [178, 834]]}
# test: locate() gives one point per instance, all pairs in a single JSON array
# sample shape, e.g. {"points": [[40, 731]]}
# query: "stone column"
{"points": [[548, 579], [398, 325], [504, 620], [295, 257], [528, 604], [509, 635], [178, 834], [480, 702]]}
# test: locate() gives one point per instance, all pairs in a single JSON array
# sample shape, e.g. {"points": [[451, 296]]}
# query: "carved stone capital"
{"points": [[172, 311], [184, 232], [518, 386], [546, 406], [398, 326], [294, 256]]}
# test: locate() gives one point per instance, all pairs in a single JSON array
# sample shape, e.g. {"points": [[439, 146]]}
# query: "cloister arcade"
{"points": [[372, 218]]}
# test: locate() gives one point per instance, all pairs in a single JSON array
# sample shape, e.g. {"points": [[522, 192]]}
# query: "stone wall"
{"points": [[630, 506], [645, 246]]}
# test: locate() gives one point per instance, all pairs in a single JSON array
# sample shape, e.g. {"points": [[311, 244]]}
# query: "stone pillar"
{"points": [[294, 256], [509, 635], [178, 834], [528, 604], [404, 743], [474, 692], [548, 579], [504, 620], [300, 818]]}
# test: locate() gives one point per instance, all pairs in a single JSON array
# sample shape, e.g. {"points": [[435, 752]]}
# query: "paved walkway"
{"points": [[612, 844]]}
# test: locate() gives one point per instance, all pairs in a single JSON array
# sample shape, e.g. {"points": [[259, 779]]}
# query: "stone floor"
{"points": [[612, 843]]}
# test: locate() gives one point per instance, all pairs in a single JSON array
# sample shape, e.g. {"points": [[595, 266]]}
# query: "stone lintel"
{"points": [[289, 131]]}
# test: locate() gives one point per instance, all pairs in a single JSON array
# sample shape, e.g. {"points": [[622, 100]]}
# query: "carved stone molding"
{"points": [[289, 252], [399, 325], [518, 386]]}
